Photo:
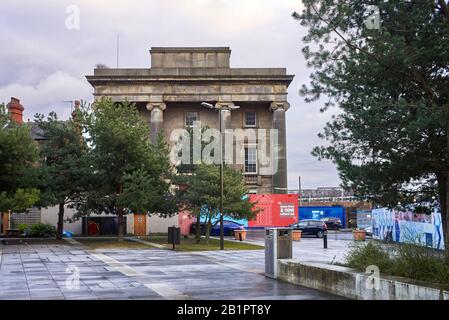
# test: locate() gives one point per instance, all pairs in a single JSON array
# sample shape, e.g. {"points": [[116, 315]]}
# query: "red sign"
{"points": [[277, 210]]}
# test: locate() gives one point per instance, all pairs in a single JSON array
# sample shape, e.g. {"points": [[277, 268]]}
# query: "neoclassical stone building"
{"points": [[170, 93]]}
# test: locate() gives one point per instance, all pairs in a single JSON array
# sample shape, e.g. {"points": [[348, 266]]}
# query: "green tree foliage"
{"points": [[131, 175], [18, 154], [65, 170], [204, 190], [183, 177], [390, 142]]}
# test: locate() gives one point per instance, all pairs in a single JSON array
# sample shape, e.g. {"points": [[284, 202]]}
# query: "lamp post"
{"points": [[220, 110]]}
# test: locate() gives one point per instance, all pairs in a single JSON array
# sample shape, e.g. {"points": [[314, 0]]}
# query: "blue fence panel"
{"points": [[316, 212]]}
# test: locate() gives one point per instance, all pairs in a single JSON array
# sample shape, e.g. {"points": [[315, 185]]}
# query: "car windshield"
{"points": [[301, 224]]}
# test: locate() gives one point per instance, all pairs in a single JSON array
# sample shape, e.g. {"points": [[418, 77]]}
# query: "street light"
{"points": [[220, 109]]}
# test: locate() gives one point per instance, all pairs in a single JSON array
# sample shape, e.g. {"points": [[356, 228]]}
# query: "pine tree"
{"points": [[389, 75], [131, 175]]}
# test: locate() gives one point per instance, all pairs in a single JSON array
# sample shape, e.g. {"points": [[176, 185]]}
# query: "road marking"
{"points": [[229, 265], [161, 289], [156, 245], [73, 241]]}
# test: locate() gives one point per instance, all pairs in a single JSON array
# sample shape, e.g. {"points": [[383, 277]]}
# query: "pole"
{"points": [[325, 239], [299, 190], [118, 46], [221, 183]]}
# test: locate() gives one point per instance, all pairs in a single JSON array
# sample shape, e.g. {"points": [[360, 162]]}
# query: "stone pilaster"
{"points": [[279, 151], [225, 126], [157, 119]]}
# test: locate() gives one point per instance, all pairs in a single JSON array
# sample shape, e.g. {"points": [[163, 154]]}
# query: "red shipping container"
{"points": [[184, 222], [278, 210]]}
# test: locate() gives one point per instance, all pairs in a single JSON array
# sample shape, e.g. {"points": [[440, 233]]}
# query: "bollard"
{"points": [[325, 239]]}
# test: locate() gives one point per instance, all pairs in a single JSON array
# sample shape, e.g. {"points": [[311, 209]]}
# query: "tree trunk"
{"points": [[208, 227], [60, 227], [120, 218], [120, 224], [198, 225], [443, 189]]}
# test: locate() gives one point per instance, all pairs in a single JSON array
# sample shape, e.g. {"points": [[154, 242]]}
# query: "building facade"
{"points": [[169, 97]]}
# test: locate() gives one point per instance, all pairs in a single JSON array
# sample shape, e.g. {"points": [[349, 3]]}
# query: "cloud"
{"points": [[43, 63], [49, 94]]}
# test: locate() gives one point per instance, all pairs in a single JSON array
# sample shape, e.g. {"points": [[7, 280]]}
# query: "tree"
{"points": [[65, 170], [390, 142], [18, 154], [184, 177], [131, 175], [204, 191]]}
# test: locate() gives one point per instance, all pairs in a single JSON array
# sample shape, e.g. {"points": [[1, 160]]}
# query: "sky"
{"points": [[46, 54]]}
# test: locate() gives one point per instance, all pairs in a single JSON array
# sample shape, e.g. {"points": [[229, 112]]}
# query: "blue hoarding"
{"points": [[316, 212]]}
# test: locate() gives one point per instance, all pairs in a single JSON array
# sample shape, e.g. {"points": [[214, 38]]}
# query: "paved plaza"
{"points": [[50, 271]]}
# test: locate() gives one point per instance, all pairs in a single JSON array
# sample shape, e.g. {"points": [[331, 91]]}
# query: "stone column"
{"points": [[157, 119], [280, 153]]}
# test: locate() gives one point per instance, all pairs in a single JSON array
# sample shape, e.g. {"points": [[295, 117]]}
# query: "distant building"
{"points": [[316, 200], [327, 194]]}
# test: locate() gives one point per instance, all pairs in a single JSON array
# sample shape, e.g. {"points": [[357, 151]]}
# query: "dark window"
{"points": [[250, 119], [250, 160], [191, 118]]}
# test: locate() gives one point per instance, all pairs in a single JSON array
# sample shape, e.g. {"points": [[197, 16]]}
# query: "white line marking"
{"points": [[160, 288]]}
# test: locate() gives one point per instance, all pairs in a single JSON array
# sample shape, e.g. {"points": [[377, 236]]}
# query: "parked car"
{"points": [[202, 228], [332, 223], [311, 227], [369, 231], [228, 226]]}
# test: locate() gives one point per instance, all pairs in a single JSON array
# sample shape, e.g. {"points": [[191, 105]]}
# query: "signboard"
{"points": [[277, 210], [364, 219], [408, 227], [287, 209]]}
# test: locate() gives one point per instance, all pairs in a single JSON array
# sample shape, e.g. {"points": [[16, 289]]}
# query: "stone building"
{"points": [[170, 93]]}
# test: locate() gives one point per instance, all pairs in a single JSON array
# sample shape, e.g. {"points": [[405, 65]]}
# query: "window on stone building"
{"points": [[251, 159], [250, 119], [191, 118]]}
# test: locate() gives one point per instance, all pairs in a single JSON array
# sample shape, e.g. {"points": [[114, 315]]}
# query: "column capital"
{"points": [[225, 105], [279, 105], [160, 105]]}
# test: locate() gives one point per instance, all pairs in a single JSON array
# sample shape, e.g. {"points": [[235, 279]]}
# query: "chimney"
{"points": [[15, 110]]}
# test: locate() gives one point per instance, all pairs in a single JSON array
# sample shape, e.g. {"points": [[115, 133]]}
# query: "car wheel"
{"points": [[319, 234]]}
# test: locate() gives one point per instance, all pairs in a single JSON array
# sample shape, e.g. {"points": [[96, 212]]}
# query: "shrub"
{"points": [[404, 260], [23, 228], [362, 255], [43, 230]]}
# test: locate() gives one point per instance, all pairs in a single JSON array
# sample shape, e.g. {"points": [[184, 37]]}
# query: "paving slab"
{"points": [[43, 272]]}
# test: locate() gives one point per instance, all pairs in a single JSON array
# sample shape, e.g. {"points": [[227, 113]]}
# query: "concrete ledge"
{"points": [[351, 283]]}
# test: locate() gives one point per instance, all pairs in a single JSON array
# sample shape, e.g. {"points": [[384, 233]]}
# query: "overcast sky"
{"points": [[43, 63]]}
